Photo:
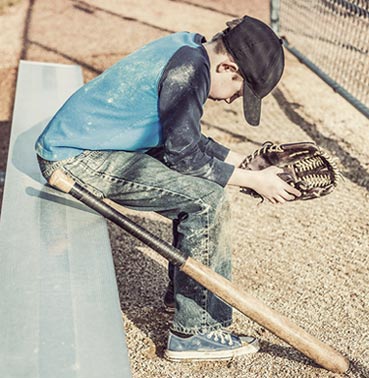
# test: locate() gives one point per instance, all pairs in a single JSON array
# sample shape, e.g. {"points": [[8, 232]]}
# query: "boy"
{"points": [[133, 135]]}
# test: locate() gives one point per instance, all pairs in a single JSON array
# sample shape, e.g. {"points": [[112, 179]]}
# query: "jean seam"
{"points": [[198, 201], [85, 161], [206, 299]]}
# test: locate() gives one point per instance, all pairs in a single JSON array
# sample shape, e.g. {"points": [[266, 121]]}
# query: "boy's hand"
{"points": [[271, 187], [266, 182]]}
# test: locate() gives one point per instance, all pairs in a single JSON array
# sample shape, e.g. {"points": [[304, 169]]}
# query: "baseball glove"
{"points": [[305, 166]]}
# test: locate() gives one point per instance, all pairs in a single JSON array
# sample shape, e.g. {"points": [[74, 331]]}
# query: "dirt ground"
{"points": [[307, 260]]}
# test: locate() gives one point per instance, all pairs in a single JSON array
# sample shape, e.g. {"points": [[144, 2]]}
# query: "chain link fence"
{"points": [[332, 38]]}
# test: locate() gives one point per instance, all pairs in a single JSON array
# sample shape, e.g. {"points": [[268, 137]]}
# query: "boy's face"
{"points": [[226, 83]]}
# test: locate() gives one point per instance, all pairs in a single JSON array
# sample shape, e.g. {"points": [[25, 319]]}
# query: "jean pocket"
{"points": [[47, 167], [92, 160]]}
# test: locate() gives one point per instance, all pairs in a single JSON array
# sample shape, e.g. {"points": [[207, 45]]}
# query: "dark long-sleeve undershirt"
{"points": [[183, 91]]}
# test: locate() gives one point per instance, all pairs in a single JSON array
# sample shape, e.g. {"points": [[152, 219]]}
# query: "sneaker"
{"points": [[216, 345], [169, 303]]}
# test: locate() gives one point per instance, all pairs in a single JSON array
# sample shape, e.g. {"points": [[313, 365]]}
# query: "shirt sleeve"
{"points": [[213, 148], [183, 90]]}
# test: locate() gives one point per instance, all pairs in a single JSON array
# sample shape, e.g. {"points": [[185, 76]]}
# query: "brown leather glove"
{"points": [[305, 166]]}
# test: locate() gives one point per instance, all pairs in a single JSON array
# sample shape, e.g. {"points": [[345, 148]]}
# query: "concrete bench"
{"points": [[60, 315]]}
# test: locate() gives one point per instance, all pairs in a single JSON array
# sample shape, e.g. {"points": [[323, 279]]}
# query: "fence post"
{"points": [[274, 15]]}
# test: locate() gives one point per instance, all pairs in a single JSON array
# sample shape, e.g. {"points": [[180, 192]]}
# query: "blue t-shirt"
{"points": [[154, 97]]}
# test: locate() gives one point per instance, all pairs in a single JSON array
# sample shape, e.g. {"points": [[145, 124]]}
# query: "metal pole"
{"points": [[274, 15]]}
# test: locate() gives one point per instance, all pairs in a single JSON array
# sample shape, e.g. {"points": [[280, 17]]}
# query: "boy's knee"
{"points": [[216, 197]]}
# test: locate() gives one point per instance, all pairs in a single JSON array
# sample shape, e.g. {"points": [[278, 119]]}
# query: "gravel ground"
{"points": [[307, 260]]}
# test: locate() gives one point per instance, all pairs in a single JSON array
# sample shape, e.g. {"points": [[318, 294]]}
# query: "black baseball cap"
{"points": [[259, 55]]}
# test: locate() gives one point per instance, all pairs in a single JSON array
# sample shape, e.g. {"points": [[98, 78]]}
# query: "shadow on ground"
{"points": [[354, 171]]}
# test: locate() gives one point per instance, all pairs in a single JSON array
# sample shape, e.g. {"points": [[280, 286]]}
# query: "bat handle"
{"points": [[61, 181], [114, 213]]}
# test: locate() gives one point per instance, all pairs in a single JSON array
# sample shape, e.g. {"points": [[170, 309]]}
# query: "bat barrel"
{"points": [[321, 353]]}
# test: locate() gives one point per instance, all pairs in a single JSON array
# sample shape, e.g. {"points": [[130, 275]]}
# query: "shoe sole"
{"points": [[189, 356]]}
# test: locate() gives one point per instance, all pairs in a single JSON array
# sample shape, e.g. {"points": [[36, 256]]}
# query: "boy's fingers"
{"points": [[290, 189], [288, 196], [294, 191], [280, 199], [275, 169]]}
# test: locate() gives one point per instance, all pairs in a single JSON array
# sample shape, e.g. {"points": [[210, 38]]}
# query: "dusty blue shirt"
{"points": [[151, 98]]}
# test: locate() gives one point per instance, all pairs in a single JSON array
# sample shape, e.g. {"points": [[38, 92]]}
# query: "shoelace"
{"points": [[220, 335]]}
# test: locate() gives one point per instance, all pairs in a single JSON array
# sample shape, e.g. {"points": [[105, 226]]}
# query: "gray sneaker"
{"points": [[216, 345]]}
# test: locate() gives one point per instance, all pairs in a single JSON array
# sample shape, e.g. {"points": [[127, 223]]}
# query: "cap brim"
{"points": [[251, 106]]}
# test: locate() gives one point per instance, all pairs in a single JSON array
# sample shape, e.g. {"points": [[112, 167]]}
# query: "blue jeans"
{"points": [[197, 207]]}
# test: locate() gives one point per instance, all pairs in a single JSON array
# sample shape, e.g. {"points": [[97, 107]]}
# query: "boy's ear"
{"points": [[227, 66]]}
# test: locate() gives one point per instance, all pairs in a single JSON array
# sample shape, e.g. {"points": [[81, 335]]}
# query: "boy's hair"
{"points": [[217, 39]]}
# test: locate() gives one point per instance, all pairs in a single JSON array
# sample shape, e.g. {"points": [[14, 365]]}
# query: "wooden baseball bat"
{"points": [[323, 354]]}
